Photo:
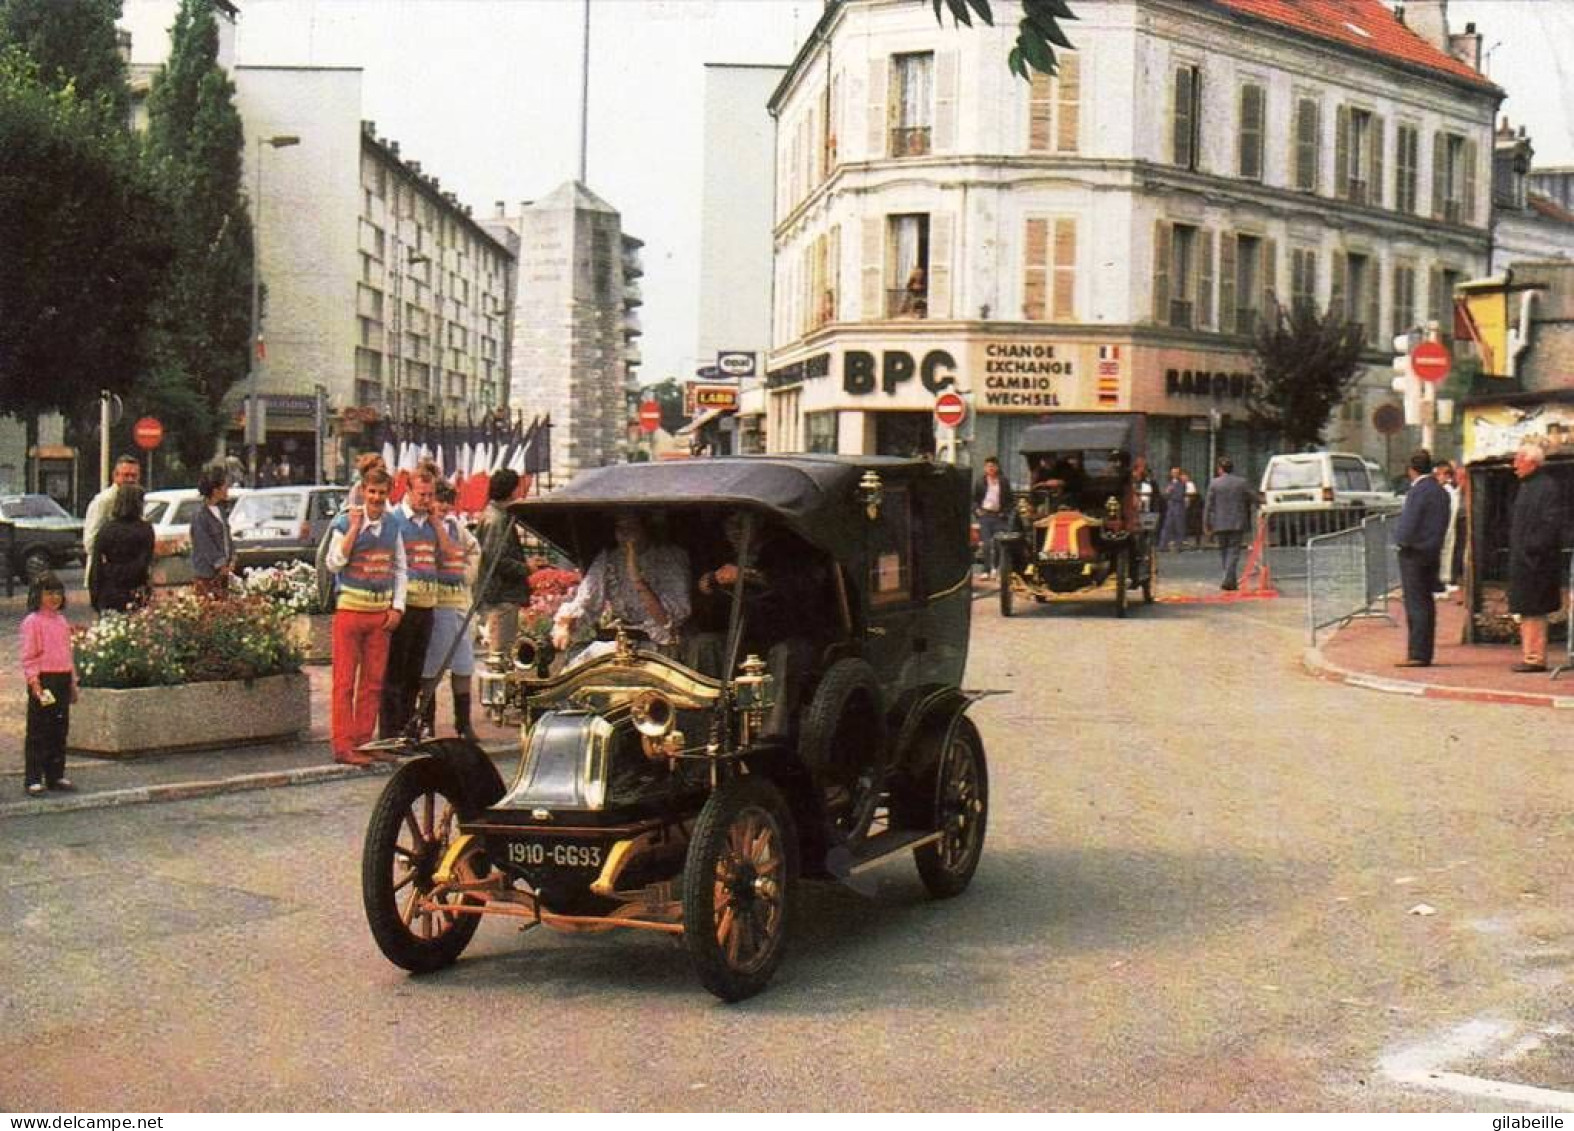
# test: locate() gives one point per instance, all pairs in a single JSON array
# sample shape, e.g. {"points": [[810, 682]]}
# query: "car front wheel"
{"points": [[736, 886], [413, 824]]}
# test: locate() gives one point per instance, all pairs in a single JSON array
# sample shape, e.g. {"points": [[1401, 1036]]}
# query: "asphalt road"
{"points": [[1197, 894]]}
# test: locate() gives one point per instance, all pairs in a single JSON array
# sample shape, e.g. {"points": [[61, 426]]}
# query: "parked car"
{"points": [[46, 535], [654, 796], [171, 511], [1313, 481], [282, 524], [1079, 527]]}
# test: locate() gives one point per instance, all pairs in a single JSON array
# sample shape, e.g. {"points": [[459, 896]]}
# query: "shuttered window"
{"points": [[1049, 276], [1308, 143], [1054, 108], [1035, 270], [1186, 117], [1406, 149], [1178, 264], [1250, 139], [1404, 317], [1303, 276]]}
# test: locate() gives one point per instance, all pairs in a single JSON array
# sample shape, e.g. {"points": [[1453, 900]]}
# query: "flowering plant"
{"points": [[292, 586], [187, 640], [549, 588]]}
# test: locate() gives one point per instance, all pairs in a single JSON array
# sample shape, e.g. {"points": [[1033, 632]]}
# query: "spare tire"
{"points": [[842, 742]]}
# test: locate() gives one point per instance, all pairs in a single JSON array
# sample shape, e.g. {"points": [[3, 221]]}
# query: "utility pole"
{"points": [[584, 100]]}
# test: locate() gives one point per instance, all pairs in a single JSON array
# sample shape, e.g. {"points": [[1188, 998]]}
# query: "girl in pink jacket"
{"points": [[51, 685]]}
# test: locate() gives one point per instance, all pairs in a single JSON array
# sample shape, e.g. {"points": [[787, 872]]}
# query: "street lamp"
{"points": [[277, 141]]}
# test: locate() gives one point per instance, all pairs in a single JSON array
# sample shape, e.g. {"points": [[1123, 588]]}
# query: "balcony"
{"points": [[1180, 313], [1357, 191], [909, 141], [907, 303]]}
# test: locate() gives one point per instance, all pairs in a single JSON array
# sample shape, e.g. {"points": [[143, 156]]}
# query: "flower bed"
{"points": [[188, 640]]}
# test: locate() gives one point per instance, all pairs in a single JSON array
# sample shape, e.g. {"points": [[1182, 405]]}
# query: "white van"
{"points": [[1315, 481]]}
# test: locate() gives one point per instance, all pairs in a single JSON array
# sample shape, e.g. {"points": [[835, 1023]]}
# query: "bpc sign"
{"points": [[860, 376]]}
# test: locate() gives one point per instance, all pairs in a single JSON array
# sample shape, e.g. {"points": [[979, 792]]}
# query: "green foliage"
{"points": [[73, 42], [1038, 32], [188, 640], [202, 313], [1305, 365], [82, 225], [669, 395]]}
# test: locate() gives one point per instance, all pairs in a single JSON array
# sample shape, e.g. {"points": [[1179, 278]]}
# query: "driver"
{"points": [[640, 581]]}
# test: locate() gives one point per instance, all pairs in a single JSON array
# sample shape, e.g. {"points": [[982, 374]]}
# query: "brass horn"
{"points": [[652, 714], [527, 656]]}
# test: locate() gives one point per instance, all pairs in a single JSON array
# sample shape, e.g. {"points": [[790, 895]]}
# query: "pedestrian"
{"points": [[456, 563], [128, 469], [505, 568], [367, 557], [423, 542], [1419, 535], [1447, 572], [284, 473], [122, 555], [992, 501], [1172, 534], [1194, 515], [1144, 486], [1227, 516], [212, 549], [1535, 540], [50, 671]]}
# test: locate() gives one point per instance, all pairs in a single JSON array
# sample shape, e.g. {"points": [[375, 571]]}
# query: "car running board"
{"points": [[850, 865]]}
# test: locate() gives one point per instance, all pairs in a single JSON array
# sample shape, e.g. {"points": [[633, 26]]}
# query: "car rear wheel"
{"points": [[736, 884], [961, 815], [413, 823], [843, 744], [1122, 579]]}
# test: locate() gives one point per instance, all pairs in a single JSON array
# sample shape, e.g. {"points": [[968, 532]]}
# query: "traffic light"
{"points": [[1406, 383]]}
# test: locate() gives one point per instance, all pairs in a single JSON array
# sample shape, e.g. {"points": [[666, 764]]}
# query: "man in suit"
{"points": [[1227, 516], [992, 507], [1419, 536]]}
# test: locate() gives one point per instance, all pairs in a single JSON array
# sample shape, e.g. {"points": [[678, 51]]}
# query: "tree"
{"points": [[74, 44], [202, 326], [1038, 31], [81, 237], [668, 393], [1305, 365]]}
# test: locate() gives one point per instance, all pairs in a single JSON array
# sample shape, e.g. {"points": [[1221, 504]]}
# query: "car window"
{"points": [[256, 509], [891, 550], [185, 511], [325, 504], [1286, 475], [1350, 475], [153, 512], [33, 506]]}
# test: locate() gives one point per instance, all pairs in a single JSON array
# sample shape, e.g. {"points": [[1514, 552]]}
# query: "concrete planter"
{"points": [[145, 720], [315, 636]]}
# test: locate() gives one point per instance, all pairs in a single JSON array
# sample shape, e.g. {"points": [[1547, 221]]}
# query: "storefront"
{"points": [[873, 394]]}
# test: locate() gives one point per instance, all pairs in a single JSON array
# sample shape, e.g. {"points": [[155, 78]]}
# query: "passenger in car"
{"points": [[641, 581]]}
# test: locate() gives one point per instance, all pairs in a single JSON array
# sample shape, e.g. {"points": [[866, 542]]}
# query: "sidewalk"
{"points": [[1363, 654]]}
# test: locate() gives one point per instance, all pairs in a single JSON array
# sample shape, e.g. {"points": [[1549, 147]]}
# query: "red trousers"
{"points": [[360, 654]]}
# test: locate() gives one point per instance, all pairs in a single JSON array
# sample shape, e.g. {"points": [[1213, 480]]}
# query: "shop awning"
{"points": [[700, 421]]}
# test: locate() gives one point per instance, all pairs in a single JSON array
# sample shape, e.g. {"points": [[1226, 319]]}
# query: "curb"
{"points": [[213, 787], [1315, 663]]}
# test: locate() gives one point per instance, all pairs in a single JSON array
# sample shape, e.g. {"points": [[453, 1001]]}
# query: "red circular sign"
{"points": [[1430, 361], [950, 409], [148, 433], [649, 416]]}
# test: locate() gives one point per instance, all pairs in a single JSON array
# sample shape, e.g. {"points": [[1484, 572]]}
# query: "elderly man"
{"points": [[642, 582], [128, 469], [1534, 562], [1419, 535]]}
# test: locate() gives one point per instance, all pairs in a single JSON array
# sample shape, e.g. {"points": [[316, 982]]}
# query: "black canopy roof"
{"points": [[1088, 431]]}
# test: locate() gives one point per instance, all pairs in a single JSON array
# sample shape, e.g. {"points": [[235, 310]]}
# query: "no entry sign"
{"points": [[148, 433], [649, 416], [1430, 361], [950, 409]]}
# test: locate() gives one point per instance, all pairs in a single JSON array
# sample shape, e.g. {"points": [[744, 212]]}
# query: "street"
{"points": [[1197, 894]]}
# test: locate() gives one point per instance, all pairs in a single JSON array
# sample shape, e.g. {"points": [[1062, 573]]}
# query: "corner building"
{"points": [[1109, 239]]}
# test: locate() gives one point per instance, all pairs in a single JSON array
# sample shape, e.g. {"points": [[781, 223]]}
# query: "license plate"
{"points": [[554, 854]]}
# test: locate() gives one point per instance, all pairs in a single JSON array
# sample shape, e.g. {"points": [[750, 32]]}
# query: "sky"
{"points": [[485, 94]]}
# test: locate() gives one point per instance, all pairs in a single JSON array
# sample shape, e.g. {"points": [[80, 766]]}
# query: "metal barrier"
{"points": [[1296, 528], [1568, 629], [1350, 574]]}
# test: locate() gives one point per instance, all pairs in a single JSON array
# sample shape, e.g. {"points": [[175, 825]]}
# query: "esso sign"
{"points": [[1430, 361], [148, 433], [649, 416], [950, 409]]}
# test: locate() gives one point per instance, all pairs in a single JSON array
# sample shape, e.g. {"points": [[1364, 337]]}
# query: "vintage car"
{"points": [[684, 788], [1079, 527]]}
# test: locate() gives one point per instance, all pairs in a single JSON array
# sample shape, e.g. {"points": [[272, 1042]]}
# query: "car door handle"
{"points": [[876, 630]]}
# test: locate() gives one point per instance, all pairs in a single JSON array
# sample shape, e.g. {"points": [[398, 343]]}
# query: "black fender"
{"points": [[931, 718], [476, 779]]}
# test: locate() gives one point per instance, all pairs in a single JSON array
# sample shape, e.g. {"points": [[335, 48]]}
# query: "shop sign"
{"points": [[736, 363], [1206, 383], [1496, 431], [1026, 375], [799, 371], [861, 375], [290, 405], [707, 397]]}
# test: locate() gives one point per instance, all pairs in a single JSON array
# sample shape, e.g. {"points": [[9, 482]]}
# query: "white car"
{"points": [[171, 512], [1321, 481]]}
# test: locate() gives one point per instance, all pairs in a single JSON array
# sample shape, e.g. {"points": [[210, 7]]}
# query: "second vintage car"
{"points": [[685, 788]]}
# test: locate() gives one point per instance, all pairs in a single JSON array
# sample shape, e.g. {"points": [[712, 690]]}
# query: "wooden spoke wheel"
{"points": [[413, 824], [961, 815], [736, 886]]}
